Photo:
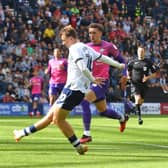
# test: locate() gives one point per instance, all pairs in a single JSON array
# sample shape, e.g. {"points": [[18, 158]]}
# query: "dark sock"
{"points": [[138, 110], [74, 141], [128, 106], [29, 130], [110, 114], [86, 114]]}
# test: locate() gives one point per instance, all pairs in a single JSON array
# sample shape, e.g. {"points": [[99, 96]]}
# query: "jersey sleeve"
{"points": [[116, 54]]}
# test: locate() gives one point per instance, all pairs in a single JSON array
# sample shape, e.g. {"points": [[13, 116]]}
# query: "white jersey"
{"points": [[76, 80]]}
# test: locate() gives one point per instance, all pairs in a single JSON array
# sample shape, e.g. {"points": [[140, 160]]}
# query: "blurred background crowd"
{"points": [[29, 32]]}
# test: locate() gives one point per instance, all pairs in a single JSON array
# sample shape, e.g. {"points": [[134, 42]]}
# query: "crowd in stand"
{"points": [[29, 32]]}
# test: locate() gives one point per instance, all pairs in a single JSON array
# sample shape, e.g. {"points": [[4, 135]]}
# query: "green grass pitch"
{"points": [[140, 146]]}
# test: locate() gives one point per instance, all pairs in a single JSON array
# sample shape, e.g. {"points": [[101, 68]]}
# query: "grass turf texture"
{"points": [[144, 146]]}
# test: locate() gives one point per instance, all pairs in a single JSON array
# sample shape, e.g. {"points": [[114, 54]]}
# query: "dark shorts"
{"points": [[55, 89], [100, 91], [68, 99], [36, 97], [139, 88]]}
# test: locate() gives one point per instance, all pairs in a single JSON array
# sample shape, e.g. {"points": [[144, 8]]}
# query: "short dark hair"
{"points": [[68, 31], [97, 26]]}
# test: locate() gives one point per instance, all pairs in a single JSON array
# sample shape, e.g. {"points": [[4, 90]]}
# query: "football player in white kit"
{"points": [[79, 78]]}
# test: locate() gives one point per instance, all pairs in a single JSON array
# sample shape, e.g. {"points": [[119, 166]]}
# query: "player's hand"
{"points": [[46, 71], [122, 66], [99, 81], [123, 82], [145, 78]]}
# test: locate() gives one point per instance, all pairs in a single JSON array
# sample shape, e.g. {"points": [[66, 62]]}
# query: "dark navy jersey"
{"points": [[140, 68]]}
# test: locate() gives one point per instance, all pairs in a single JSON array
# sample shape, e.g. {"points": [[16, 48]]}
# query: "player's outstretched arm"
{"points": [[112, 62], [151, 76]]}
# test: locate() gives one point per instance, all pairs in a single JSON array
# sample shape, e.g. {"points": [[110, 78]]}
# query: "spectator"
{"points": [[49, 34], [36, 85], [8, 98], [64, 20]]}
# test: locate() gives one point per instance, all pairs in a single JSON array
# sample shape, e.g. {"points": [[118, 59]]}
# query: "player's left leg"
{"points": [[111, 113], [128, 106], [138, 102], [101, 103], [106, 112], [64, 104]]}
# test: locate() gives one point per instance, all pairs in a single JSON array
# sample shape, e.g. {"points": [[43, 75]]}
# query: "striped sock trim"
{"points": [[25, 132], [29, 130], [32, 129], [74, 140], [76, 143]]}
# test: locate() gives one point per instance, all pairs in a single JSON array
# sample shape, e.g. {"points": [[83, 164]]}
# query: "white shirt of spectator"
{"points": [[41, 3], [97, 2], [126, 27], [64, 20], [48, 12]]}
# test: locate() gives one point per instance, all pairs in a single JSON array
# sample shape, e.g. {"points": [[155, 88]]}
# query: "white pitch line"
{"points": [[91, 146], [146, 144]]}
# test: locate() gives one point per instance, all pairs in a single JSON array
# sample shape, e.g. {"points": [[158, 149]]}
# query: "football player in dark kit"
{"points": [[140, 71]]}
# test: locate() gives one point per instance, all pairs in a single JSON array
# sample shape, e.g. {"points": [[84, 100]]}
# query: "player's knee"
{"points": [[56, 122], [49, 117], [101, 110], [59, 122]]}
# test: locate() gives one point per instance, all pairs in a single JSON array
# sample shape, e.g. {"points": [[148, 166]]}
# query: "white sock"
{"points": [[87, 133], [122, 118], [22, 133], [25, 131]]}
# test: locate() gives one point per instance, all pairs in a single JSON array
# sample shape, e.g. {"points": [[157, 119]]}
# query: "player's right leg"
{"points": [[86, 116], [44, 122], [123, 122]]}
